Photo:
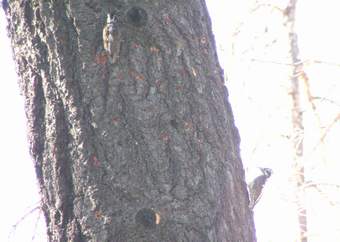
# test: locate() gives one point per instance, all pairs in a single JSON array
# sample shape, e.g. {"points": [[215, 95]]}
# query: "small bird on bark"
{"points": [[255, 187], [112, 37]]}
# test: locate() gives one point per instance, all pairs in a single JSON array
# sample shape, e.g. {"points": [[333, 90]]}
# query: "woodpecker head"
{"points": [[267, 172], [111, 18]]}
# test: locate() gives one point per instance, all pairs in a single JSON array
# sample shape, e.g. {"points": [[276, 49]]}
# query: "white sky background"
{"points": [[318, 26]]}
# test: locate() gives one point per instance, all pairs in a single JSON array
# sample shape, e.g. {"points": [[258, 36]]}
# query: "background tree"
{"points": [[297, 134], [142, 149]]}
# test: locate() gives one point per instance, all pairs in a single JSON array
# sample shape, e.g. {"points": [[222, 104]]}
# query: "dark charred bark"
{"points": [[144, 149]]}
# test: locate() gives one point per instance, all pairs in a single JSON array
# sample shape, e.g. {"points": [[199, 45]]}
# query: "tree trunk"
{"points": [[143, 149], [297, 120]]}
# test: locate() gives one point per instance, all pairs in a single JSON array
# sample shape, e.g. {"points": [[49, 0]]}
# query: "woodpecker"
{"points": [[256, 186], [111, 37]]}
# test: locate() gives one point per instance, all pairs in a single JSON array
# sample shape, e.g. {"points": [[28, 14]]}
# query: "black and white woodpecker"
{"points": [[256, 186], [112, 37]]}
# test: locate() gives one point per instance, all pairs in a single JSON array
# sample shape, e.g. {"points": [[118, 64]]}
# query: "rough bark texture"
{"points": [[144, 149]]}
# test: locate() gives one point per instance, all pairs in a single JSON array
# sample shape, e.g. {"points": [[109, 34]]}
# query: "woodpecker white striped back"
{"points": [[256, 186], [111, 37]]}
